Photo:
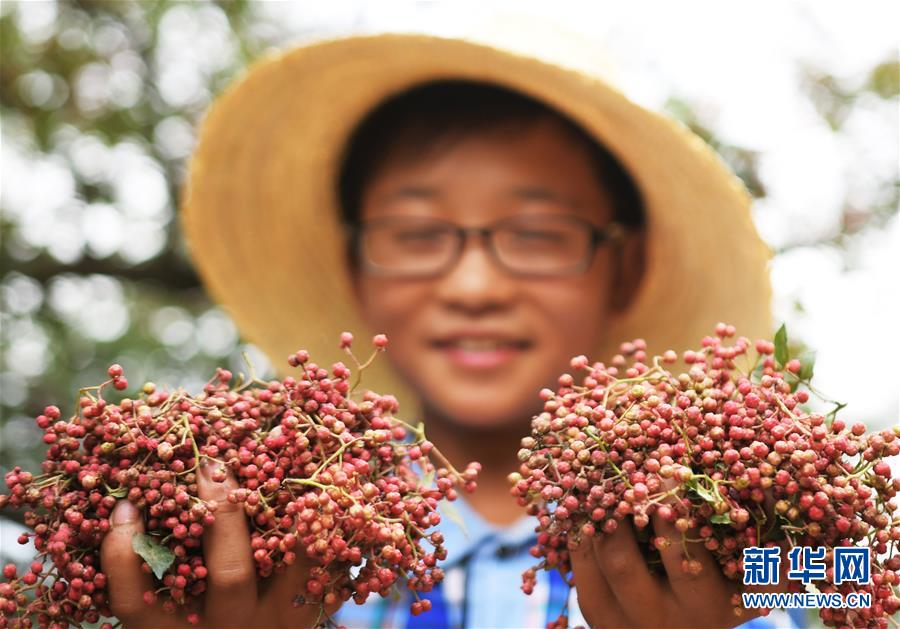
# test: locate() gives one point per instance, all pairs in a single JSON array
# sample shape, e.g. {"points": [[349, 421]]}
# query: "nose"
{"points": [[476, 284]]}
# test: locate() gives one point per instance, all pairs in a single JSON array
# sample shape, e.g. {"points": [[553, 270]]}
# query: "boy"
{"points": [[442, 192]]}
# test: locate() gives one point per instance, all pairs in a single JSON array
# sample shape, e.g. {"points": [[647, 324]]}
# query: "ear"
{"points": [[629, 258]]}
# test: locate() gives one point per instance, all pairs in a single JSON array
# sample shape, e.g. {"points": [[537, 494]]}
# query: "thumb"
{"points": [[126, 581]]}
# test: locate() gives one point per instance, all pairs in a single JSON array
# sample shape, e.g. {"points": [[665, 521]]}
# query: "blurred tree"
{"points": [[744, 162], [97, 122], [836, 100]]}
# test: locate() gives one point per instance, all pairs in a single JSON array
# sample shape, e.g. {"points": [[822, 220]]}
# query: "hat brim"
{"points": [[261, 217]]}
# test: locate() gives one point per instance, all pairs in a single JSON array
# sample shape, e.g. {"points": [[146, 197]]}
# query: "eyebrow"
{"points": [[410, 192], [540, 193], [525, 193]]}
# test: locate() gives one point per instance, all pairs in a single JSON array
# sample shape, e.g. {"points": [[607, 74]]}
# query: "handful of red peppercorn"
{"points": [[323, 472], [727, 452]]}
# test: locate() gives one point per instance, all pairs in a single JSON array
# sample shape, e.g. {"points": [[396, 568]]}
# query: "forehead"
{"points": [[536, 167]]}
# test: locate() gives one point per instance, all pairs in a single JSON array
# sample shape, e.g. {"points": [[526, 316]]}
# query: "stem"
{"points": [[443, 459], [336, 453], [657, 498], [323, 487], [419, 430], [862, 471], [360, 368], [688, 446]]}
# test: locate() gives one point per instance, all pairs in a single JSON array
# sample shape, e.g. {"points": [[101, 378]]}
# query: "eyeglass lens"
{"points": [[420, 246]]}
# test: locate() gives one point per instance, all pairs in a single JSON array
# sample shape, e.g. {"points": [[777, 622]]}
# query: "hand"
{"points": [[616, 588], [233, 597]]}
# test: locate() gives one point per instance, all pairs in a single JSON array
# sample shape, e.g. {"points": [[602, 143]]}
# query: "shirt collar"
{"points": [[478, 531]]}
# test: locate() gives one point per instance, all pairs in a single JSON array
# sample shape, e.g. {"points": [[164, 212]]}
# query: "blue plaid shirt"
{"points": [[480, 590]]}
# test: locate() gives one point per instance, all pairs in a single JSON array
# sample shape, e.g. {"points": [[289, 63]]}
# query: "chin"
{"points": [[477, 416]]}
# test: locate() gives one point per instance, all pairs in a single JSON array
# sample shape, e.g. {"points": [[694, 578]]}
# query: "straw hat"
{"points": [[261, 216]]}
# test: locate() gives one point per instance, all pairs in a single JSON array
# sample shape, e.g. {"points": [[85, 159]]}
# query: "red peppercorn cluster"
{"points": [[338, 480], [728, 456]]}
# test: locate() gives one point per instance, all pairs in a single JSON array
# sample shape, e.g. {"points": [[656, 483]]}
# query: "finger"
{"points": [[596, 600], [286, 592], [701, 577], [784, 565], [126, 581], [780, 585], [625, 569], [690, 567], [231, 591]]}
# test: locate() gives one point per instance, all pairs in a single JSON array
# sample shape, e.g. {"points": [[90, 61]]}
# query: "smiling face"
{"points": [[477, 342]]}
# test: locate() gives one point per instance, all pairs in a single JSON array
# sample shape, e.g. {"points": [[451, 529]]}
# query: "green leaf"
{"points": [[807, 362], [118, 492], [721, 518], [450, 510], [704, 492], [884, 79], [781, 347], [757, 374], [157, 556]]}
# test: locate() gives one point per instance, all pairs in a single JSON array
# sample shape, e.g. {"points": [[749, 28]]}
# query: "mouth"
{"points": [[480, 352]]}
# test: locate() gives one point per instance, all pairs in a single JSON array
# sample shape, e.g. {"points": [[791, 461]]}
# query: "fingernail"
{"points": [[124, 513], [207, 468]]}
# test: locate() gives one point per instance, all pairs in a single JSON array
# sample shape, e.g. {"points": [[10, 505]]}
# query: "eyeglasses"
{"points": [[532, 245]]}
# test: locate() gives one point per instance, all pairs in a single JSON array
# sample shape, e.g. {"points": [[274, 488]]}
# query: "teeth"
{"points": [[479, 345]]}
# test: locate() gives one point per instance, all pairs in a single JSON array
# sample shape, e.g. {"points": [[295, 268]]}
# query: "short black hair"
{"points": [[414, 121]]}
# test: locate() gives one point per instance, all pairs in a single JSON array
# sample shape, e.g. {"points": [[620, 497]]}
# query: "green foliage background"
{"points": [[53, 109]]}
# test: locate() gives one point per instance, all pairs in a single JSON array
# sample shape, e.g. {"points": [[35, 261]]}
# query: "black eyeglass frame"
{"points": [[611, 233]]}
